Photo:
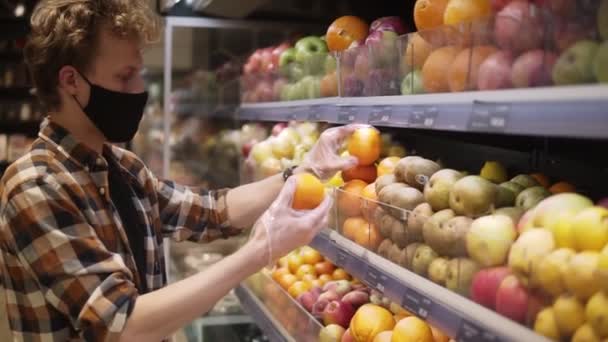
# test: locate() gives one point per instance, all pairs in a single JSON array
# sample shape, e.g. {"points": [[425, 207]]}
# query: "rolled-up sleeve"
{"points": [[191, 214], [77, 274]]}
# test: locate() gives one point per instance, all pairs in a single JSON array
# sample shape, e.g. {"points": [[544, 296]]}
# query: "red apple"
{"points": [[331, 333], [308, 299], [535, 305], [497, 5], [558, 7], [569, 31], [319, 307], [518, 27], [394, 24], [512, 299], [266, 59], [347, 337], [495, 71], [533, 69], [486, 283], [254, 63], [356, 298], [277, 88], [246, 148], [362, 64], [338, 312], [277, 51], [264, 91]]}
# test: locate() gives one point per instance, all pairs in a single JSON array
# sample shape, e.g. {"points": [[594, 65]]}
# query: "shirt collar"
{"points": [[67, 144]]}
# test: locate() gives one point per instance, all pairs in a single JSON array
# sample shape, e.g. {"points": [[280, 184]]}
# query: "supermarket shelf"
{"points": [[206, 22], [571, 111], [452, 313], [223, 320], [254, 307]]}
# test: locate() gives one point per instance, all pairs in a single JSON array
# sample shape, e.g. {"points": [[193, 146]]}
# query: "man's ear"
{"points": [[69, 79]]}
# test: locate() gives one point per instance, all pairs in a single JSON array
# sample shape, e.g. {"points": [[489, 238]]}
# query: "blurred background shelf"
{"points": [[573, 111], [27, 128], [454, 314], [260, 314]]}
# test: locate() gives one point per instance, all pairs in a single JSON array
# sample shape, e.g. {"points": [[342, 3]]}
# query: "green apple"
{"points": [[412, 83], [330, 64], [525, 180], [530, 197], [602, 19], [311, 52], [473, 196], [600, 63], [574, 66], [287, 57]]}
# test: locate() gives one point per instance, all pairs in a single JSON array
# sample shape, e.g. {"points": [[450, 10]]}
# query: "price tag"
{"points": [[380, 115], [375, 279], [347, 114], [469, 332], [416, 303], [492, 117], [423, 116], [343, 257]]}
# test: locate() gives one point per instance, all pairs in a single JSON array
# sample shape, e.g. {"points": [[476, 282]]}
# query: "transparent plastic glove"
{"points": [[323, 158], [284, 229]]}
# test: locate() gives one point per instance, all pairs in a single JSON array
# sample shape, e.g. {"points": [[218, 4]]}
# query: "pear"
{"points": [[530, 197], [507, 193], [551, 271], [437, 190], [438, 271], [585, 334], [489, 239], [460, 275], [569, 314], [473, 196], [525, 180], [423, 257], [494, 172], [596, 313], [514, 213], [416, 171], [416, 220], [448, 238]]}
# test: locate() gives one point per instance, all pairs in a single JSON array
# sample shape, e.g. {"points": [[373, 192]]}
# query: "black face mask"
{"points": [[117, 115]]}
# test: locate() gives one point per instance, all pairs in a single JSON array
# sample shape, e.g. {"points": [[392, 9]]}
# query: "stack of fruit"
{"points": [[261, 80], [377, 323]]}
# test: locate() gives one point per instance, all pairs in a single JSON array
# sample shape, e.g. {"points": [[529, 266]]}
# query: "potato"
{"points": [[386, 226], [383, 181], [408, 256], [384, 248], [394, 254], [415, 171], [399, 234], [416, 221]]}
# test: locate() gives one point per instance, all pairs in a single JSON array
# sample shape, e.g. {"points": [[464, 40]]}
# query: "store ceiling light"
{"points": [[19, 10]]}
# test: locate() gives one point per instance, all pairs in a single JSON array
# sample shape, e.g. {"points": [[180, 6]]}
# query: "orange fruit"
{"points": [[294, 261], [436, 67], [384, 336], [315, 283], [366, 145], [283, 262], [279, 272], [458, 11], [387, 165], [329, 85], [438, 335], [542, 179], [326, 278], [344, 31], [369, 202], [412, 329], [298, 288], [287, 280], [369, 321], [369, 237], [428, 14], [311, 256], [304, 270], [309, 192], [349, 199], [464, 69], [324, 267], [352, 226], [561, 187], [366, 173], [340, 274]]}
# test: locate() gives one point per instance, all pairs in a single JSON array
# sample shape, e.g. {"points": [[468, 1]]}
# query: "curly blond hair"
{"points": [[64, 32]]}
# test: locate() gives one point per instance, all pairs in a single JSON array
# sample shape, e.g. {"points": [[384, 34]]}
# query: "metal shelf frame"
{"points": [[569, 111], [256, 309], [454, 314]]}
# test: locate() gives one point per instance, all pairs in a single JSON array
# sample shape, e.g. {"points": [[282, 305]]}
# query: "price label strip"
{"points": [[382, 282], [415, 302], [347, 115], [469, 332], [423, 116], [489, 117], [381, 115]]}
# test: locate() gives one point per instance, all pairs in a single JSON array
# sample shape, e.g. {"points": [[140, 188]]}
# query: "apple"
{"points": [[347, 337], [600, 63], [512, 299], [513, 213], [356, 298], [246, 148], [518, 27], [551, 271], [381, 82], [340, 287], [569, 31], [497, 5], [254, 63], [461, 272], [412, 83], [338, 312], [533, 69], [526, 181], [489, 239], [575, 65], [287, 57], [311, 51], [329, 85], [472, 196], [331, 333], [393, 24], [558, 7], [261, 151], [362, 63], [549, 212], [437, 189], [590, 229], [352, 86], [486, 283], [277, 52], [265, 91], [528, 251], [383, 48], [319, 307], [266, 60], [277, 88], [308, 299]]}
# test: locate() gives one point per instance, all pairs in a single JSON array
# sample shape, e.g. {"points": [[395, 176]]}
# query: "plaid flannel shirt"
{"points": [[66, 263]]}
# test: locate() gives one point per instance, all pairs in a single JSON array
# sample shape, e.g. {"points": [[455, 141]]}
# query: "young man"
{"points": [[82, 222]]}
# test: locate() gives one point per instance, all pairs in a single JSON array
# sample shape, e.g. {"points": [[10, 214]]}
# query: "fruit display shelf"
{"points": [[275, 311], [455, 315], [570, 111]]}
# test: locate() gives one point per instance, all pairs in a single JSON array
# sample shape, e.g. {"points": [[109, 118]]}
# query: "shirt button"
{"points": [[102, 191]]}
